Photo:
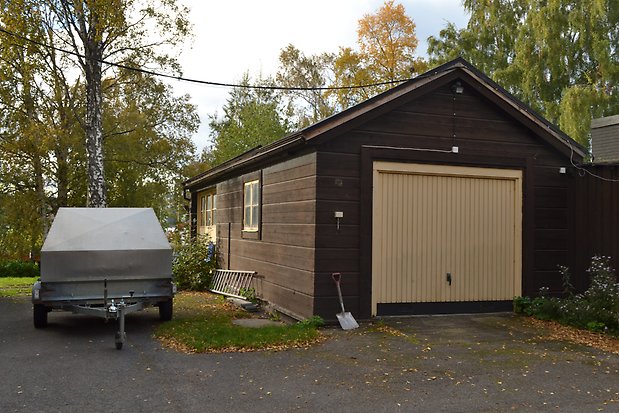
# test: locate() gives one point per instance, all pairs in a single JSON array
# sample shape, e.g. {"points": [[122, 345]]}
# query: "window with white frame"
{"points": [[202, 211], [211, 207], [251, 205]]}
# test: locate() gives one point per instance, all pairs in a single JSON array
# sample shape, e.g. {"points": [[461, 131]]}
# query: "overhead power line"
{"points": [[197, 81]]}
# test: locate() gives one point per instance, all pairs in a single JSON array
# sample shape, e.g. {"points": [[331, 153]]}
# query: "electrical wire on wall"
{"points": [[584, 171], [453, 115]]}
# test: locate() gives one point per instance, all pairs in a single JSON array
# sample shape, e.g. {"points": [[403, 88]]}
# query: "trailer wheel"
{"points": [[166, 310], [40, 316], [119, 345]]}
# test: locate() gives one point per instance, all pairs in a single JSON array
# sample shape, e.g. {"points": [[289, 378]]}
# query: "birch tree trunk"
{"points": [[94, 129], [89, 30]]}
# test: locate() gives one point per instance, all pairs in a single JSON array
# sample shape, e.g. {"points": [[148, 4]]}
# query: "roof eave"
{"points": [[246, 159], [558, 139]]}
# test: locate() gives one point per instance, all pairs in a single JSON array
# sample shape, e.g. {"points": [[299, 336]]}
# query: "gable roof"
{"points": [[340, 122]]}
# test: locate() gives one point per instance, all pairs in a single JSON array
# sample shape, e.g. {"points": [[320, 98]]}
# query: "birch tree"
{"points": [[145, 129], [131, 32]]}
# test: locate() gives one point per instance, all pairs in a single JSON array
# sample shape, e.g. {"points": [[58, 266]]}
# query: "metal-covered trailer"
{"points": [[105, 262]]}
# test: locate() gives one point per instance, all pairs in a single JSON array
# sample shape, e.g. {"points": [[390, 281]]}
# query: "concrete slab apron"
{"points": [[481, 363], [496, 363]]}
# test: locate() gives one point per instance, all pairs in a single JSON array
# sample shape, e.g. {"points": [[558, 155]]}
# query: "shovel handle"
{"points": [[336, 277]]}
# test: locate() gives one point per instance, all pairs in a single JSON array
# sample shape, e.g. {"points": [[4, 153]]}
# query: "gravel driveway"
{"points": [[469, 363]]}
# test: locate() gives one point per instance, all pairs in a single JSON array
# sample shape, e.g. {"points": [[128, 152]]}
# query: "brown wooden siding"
{"points": [[283, 256], [594, 219], [485, 135]]}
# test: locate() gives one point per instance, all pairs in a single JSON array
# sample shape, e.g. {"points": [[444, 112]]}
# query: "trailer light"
{"points": [[36, 294], [174, 288]]}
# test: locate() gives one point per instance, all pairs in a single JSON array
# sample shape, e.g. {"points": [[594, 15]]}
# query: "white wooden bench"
{"points": [[232, 282]]}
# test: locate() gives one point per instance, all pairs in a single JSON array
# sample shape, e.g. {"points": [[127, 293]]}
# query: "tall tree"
{"points": [[251, 118], [558, 56], [350, 70], [24, 134], [488, 41], [387, 43], [147, 141], [128, 31], [300, 71], [43, 157]]}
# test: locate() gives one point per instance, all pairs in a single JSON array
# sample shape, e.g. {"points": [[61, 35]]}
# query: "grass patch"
{"points": [[16, 286], [203, 323]]}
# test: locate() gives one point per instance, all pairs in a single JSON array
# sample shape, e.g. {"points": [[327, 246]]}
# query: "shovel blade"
{"points": [[347, 321]]}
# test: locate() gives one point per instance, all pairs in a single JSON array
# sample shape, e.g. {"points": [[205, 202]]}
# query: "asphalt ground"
{"points": [[465, 363]]}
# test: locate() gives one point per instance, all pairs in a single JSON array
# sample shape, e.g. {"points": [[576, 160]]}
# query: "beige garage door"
{"points": [[433, 224]]}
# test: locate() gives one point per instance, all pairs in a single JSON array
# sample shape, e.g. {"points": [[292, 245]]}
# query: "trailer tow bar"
{"points": [[118, 312]]}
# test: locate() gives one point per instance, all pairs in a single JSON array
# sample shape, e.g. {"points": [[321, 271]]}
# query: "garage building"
{"points": [[443, 194]]}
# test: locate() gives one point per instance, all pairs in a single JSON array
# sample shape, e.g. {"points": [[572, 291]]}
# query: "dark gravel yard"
{"points": [[472, 363]]}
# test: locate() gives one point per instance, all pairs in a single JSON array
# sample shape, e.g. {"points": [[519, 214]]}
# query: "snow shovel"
{"points": [[347, 321]]}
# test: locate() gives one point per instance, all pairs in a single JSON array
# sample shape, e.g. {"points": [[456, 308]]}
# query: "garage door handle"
{"points": [[449, 278]]}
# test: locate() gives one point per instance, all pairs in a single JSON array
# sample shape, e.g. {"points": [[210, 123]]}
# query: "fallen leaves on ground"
{"points": [[391, 331], [560, 332]]}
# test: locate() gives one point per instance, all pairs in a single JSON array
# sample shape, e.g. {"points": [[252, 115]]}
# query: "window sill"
{"points": [[250, 234]]}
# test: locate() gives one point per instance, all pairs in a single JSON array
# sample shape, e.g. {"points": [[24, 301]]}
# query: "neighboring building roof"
{"points": [[605, 140], [377, 105]]}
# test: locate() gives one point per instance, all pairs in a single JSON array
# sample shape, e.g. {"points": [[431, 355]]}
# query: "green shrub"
{"points": [[575, 311], [547, 308], [596, 310], [596, 326], [566, 281], [249, 294], [312, 322], [603, 294], [194, 264], [544, 308], [522, 305], [19, 269]]}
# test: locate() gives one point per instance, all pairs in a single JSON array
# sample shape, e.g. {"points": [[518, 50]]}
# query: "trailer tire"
{"points": [[166, 308], [39, 316]]}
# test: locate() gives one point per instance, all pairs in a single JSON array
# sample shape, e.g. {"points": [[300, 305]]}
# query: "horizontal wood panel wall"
{"points": [[594, 218], [283, 254], [486, 136]]}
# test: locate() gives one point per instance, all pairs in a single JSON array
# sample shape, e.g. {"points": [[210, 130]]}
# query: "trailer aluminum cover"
{"points": [[87, 244]]}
